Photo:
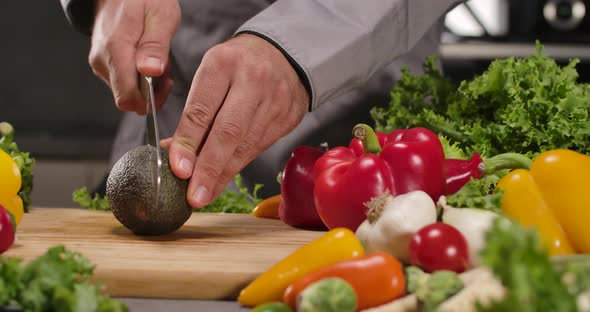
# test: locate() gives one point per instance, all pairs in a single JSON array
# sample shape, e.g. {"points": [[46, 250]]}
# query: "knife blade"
{"points": [[152, 133]]}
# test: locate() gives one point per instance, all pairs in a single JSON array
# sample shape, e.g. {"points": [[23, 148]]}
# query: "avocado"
{"points": [[129, 190]]}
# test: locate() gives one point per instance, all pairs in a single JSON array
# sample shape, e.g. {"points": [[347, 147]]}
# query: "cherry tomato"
{"points": [[6, 230], [439, 246]]}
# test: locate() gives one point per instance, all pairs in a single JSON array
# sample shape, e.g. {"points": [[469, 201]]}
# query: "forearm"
{"points": [[80, 14], [338, 44]]}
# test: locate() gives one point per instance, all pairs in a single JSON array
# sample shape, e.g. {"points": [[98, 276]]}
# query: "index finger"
{"points": [[123, 78], [208, 90]]}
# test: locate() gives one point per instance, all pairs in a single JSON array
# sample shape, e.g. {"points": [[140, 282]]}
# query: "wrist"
{"points": [[305, 85]]}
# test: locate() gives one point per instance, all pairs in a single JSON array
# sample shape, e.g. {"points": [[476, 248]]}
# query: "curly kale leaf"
{"points": [[58, 280], [83, 198], [523, 105], [240, 201], [480, 193]]}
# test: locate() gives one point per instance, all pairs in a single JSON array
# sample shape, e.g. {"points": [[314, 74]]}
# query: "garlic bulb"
{"points": [[472, 223], [391, 222]]}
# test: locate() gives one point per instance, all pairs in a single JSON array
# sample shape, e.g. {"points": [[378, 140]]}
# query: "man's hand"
{"points": [[132, 35], [244, 97]]}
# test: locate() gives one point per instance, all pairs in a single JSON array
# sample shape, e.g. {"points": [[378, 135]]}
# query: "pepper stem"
{"points": [[366, 134], [505, 161]]}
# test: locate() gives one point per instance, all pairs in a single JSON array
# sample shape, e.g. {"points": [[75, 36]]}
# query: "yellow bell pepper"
{"points": [[10, 179], [10, 184], [336, 245], [524, 202], [14, 205], [554, 196]]}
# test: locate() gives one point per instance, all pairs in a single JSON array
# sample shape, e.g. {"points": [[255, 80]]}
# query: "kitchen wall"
{"points": [[63, 115]]}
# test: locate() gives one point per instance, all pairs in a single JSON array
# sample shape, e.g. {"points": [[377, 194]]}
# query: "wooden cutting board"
{"points": [[213, 256]]}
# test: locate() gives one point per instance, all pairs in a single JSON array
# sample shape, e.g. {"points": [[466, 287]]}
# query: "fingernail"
{"points": [[153, 62], [201, 195], [186, 166]]}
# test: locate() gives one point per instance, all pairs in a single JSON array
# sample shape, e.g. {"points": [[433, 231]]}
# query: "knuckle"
{"points": [[246, 150], [182, 143], [198, 115], [229, 131], [175, 14], [209, 170], [97, 57], [283, 89], [225, 177], [260, 71], [153, 44], [96, 70], [111, 44], [275, 109], [222, 55], [93, 59]]}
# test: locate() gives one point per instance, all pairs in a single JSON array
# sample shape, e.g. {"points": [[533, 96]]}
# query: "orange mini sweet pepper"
{"points": [[553, 197], [377, 278], [336, 245], [268, 208]]}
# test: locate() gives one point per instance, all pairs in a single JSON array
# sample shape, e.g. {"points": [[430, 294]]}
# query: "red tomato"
{"points": [[439, 246], [6, 230]]}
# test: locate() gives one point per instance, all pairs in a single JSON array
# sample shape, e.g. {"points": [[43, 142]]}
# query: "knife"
{"points": [[152, 134]]}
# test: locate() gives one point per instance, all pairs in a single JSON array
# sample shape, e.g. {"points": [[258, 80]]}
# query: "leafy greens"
{"points": [[235, 202], [523, 105], [56, 281], [517, 257], [479, 193], [83, 198], [241, 201]]}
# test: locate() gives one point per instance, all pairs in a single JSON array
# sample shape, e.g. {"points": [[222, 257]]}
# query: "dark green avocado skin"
{"points": [[129, 191]]}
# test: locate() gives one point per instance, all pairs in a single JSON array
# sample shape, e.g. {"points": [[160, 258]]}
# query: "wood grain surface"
{"points": [[213, 256]]}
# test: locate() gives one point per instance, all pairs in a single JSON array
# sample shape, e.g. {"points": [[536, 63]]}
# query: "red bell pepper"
{"points": [[417, 160], [7, 229], [297, 207], [410, 160], [459, 171], [344, 182], [422, 142]]}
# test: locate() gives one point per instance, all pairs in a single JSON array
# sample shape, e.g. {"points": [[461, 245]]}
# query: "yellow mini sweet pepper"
{"points": [[554, 197], [336, 245], [10, 183]]}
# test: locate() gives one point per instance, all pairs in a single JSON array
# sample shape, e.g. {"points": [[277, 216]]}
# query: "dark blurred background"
{"points": [[48, 92], [66, 118]]}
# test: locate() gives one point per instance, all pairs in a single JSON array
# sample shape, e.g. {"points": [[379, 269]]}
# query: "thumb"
{"points": [[161, 22]]}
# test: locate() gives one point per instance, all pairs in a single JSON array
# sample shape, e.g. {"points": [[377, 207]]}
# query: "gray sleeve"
{"points": [[80, 14], [336, 45]]}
